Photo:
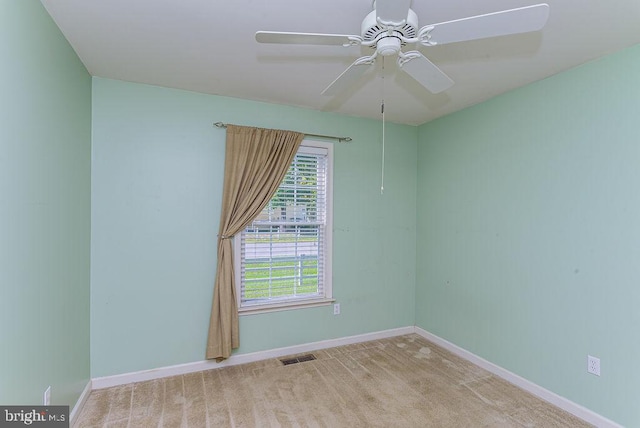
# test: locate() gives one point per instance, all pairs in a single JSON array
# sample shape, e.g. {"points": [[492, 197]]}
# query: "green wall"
{"points": [[45, 143], [156, 192], [528, 229]]}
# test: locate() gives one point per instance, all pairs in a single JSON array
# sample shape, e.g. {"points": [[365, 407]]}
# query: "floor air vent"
{"points": [[300, 359]]}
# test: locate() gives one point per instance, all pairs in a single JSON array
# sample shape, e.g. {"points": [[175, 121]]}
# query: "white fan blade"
{"points": [[307, 38], [425, 72], [512, 21], [392, 12], [349, 76]]}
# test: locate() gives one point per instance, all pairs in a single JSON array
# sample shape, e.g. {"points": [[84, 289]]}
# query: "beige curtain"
{"points": [[256, 161]]}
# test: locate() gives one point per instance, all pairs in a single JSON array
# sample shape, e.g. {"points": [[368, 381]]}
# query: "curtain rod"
{"points": [[340, 139]]}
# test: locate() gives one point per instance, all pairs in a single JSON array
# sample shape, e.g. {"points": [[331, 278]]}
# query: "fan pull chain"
{"points": [[383, 131]]}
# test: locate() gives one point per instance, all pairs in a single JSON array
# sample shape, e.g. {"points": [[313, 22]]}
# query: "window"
{"points": [[283, 258]]}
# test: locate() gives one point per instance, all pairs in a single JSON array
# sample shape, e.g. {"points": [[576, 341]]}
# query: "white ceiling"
{"points": [[208, 46]]}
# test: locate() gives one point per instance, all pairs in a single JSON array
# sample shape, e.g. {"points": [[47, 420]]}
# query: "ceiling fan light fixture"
{"points": [[388, 46]]}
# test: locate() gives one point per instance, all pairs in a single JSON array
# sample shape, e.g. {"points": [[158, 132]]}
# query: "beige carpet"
{"points": [[404, 381]]}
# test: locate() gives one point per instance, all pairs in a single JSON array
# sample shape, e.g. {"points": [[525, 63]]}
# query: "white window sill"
{"points": [[283, 306]]}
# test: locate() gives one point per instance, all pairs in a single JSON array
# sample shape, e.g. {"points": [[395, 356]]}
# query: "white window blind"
{"points": [[283, 251]]}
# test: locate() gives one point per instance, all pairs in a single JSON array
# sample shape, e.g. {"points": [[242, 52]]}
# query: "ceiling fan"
{"points": [[393, 24]]}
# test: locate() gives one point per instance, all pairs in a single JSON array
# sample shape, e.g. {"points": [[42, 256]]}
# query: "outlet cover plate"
{"points": [[593, 365], [336, 309]]}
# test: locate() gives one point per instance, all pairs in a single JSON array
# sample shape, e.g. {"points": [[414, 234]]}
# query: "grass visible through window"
{"points": [[289, 277]]}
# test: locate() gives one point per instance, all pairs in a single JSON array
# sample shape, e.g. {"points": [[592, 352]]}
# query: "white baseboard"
{"points": [[180, 369], [75, 412], [551, 397]]}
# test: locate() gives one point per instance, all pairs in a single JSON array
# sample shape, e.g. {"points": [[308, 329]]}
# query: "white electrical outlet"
{"points": [[336, 309], [593, 365], [46, 399]]}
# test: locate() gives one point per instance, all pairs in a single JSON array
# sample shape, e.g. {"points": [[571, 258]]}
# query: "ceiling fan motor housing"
{"points": [[373, 31]]}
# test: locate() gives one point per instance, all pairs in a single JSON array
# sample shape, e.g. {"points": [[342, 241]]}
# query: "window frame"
{"points": [[288, 304]]}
